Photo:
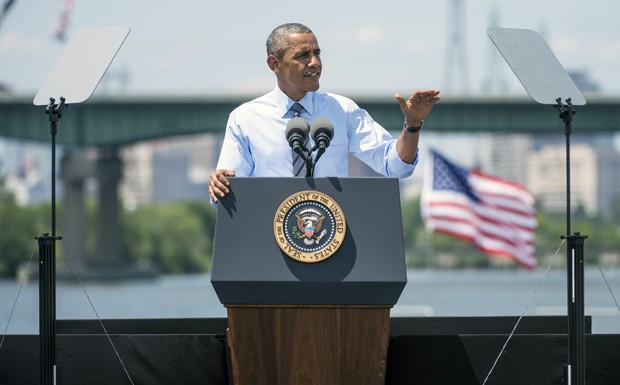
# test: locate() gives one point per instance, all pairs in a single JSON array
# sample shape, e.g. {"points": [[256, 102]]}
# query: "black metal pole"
{"points": [[53, 132], [309, 164], [567, 133], [575, 369]]}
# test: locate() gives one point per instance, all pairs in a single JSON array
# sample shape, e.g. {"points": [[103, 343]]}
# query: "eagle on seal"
{"points": [[310, 221]]}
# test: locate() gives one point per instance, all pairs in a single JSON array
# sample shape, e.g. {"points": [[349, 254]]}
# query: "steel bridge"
{"points": [[118, 121]]}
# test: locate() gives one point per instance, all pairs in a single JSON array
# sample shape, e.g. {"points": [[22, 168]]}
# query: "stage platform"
{"points": [[422, 351]]}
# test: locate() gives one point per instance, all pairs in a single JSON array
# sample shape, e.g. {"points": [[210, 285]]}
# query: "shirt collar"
{"points": [[284, 103]]}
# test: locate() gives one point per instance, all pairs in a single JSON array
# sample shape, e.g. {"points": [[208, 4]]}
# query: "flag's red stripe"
{"points": [[486, 218]]}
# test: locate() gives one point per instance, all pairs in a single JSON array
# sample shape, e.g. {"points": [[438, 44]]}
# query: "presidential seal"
{"points": [[309, 226]]}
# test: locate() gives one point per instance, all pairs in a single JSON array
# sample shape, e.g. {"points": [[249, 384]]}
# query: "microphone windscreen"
{"points": [[322, 125], [297, 126]]}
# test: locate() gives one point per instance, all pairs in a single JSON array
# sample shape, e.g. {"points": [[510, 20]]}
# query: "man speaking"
{"points": [[267, 136]]}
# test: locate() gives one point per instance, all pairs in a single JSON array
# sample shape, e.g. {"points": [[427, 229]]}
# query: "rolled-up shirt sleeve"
{"points": [[236, 153], [395, 167]]}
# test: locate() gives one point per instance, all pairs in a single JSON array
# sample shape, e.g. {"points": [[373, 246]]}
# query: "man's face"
{"points": [[299, 69]]}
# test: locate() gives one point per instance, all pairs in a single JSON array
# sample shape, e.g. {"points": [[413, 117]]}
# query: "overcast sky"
{"points": [[369, 47]]}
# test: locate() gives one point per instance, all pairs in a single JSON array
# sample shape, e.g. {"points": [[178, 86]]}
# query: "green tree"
{"points": [[413, 227], [18, 228], [172, 237]]}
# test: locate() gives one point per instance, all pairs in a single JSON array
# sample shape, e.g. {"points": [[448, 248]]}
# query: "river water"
{"points": [[427, 293]]}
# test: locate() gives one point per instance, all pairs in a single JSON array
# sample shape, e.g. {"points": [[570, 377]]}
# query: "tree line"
{"points": [[177, 237]]}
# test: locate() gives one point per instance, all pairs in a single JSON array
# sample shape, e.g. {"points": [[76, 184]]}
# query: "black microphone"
{"points": [[322, 132], [297, 130]]}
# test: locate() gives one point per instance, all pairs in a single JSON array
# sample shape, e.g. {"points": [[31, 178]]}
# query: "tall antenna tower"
{"points": [[494, 81], [456, 53]]}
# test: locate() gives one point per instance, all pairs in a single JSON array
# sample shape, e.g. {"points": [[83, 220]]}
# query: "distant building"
{"points": [[174, 169], [506, 156], [547, 178], [539, 163], [5, 88], [26, 170], [582, 80], [594, 181], [136, 185]]}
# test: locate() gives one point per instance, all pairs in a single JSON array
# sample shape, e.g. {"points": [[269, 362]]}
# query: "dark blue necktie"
{"points": [[298, 162]]}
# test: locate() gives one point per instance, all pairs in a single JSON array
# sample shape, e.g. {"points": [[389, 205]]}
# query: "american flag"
{"points": [[495, 214]]}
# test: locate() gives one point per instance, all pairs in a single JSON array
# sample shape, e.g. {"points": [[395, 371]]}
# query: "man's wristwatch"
{"points": [[413, 129]]}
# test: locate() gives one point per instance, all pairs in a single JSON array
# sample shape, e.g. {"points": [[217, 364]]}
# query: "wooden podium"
{"points": [[323, 323]]}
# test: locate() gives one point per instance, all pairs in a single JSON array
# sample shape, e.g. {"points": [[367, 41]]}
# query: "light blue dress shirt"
{"points": [[255, 142]]}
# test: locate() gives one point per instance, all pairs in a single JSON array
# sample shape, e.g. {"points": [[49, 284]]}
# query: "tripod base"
{"points": [[575, 373], [47, 307]]}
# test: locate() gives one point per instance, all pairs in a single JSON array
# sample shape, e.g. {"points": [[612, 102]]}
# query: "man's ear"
{"points": [[273, 63]]}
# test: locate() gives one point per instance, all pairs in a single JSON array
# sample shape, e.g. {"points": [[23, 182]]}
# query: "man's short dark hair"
{"points": [[277, 42]]}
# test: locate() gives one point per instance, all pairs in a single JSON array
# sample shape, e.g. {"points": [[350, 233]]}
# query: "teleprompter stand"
{"points": [[47, 266], [546, 81], [73, 80], [575, 370]]}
